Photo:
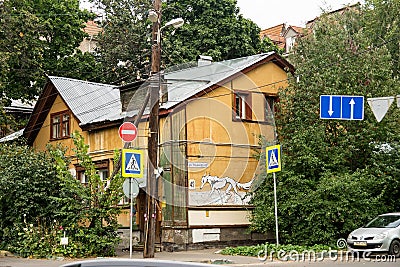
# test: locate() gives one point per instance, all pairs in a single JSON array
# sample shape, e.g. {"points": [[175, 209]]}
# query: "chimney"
{"points": [[126, 93], [203, 60]]}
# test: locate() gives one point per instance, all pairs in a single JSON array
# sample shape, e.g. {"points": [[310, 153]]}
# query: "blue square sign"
{"points": [[273, 158], [132, 163], [341, 107]]}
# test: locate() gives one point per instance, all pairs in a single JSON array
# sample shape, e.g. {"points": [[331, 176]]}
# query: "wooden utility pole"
{"points": [[151, 209]]}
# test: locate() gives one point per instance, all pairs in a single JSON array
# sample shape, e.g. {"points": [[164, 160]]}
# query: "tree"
{"points": [[39, 38], [383, 25], [336, 174], [212, 28], [124, 47], [41, 201], [26, 182]]}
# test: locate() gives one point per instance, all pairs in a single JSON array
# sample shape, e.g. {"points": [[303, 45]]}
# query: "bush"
{"points": [[41, 201]]}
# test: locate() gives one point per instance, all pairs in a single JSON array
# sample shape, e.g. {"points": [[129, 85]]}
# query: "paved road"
{"points": [[209, 256]]}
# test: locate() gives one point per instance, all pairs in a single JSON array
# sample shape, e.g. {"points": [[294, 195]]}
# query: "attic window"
{"points": [[242, 106], [60, 125]]}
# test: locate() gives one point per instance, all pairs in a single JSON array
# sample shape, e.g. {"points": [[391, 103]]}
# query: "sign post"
{"points": [[132, 167], [273, 154]]}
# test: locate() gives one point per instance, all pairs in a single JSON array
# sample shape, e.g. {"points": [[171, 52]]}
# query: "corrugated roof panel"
{"points": [[90, 102], [185, 83]]}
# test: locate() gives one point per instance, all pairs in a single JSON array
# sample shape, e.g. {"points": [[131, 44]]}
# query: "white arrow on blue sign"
{"points": [[341, 107]]}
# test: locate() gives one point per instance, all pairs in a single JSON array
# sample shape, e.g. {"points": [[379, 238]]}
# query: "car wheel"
{"points": [[395, 248]]}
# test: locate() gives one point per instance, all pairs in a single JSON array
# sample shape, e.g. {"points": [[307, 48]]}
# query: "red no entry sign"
{"points": [[127, 131]]}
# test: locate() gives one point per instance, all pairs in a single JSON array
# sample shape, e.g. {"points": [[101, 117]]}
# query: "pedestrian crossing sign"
{"points": [[273, 154], [132, 163]]}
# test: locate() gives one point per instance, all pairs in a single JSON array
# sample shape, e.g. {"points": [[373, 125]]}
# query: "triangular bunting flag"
{"points": [[380, 105]]}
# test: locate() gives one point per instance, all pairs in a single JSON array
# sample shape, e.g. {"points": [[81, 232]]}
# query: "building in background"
{"points": [[89, 44], [284, 36]]}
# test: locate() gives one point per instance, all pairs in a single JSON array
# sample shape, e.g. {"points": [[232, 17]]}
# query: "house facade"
{"points": [[212, 117]]}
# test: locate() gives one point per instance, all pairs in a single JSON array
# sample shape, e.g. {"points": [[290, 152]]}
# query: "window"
{"points": [[102, 170], [290, 41], [242, 106], [60, 125], [269, 108]]}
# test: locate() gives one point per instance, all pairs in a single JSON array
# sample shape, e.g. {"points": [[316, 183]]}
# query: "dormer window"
{"points": [[60, 125]]}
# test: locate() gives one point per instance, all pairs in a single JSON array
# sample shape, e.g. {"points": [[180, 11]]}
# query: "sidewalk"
{"points": [[203, 256]]}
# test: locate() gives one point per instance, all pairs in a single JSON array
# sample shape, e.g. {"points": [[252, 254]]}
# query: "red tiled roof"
{"points": [[92, 28], [298, 29], [275, 34]]}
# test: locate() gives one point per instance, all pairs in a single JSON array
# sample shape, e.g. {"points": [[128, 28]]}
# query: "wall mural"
{"points": [[221, 191]]}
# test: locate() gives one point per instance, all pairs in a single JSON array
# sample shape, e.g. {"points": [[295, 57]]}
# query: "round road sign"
{"points": [[127, 131], [129, 184]]}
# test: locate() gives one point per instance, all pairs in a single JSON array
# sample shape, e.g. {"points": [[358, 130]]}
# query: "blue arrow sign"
{"points": [[341, 107]]}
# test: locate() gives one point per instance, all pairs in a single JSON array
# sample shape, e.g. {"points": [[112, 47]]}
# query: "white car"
{"points": [[382, 234]]}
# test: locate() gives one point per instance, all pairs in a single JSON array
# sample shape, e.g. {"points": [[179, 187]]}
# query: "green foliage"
{"points": [[39, 38], [383, 26], [26, 182], [213, 28], [126, 38], [41, 201], [262, 250], [336, 174], [103, 196]]}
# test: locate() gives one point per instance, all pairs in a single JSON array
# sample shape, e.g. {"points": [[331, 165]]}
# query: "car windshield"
{"points": [[384, 221]]}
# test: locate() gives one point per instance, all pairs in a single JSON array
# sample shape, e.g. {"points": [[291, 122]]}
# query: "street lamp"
{"points": [[150, 228]]}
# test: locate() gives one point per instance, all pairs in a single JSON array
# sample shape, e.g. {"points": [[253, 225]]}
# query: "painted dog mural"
{"points": [[223, 191], [217, 183]]}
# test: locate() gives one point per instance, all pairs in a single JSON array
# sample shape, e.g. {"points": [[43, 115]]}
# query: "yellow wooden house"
{"points": [[211, 118]]}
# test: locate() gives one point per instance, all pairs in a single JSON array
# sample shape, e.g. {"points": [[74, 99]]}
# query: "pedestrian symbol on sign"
{"points": [[132, 163], [273, 158], [273, 162]]}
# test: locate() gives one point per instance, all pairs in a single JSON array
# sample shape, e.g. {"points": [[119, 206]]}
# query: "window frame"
{"points": [[62, 124], [267, 100], [245, 99]]}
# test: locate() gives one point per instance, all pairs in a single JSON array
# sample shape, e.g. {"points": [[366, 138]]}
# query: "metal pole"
{"points": [[131, 216], [276, 212]]}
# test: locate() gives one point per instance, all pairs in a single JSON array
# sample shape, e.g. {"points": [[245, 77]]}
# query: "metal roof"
{"points": [[95, 102], [12, 136], [90, 102], [185, 83]]}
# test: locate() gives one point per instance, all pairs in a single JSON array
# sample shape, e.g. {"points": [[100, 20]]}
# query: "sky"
{"points": [[269, 13]]}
